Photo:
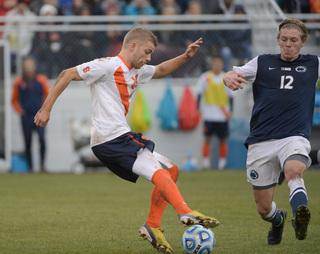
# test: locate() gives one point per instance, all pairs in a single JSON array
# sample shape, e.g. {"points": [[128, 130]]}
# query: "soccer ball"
{"points": [[198, 239]]}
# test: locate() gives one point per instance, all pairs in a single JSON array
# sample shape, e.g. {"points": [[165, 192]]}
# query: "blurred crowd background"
{"points": [[35, 27]]}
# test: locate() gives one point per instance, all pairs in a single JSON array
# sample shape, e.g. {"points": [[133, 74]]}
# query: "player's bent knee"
{"points": [[264, 208], [174, 172], [293, 172], [160, 175]]}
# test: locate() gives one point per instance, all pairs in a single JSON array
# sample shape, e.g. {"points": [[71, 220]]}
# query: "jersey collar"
{"points": [[128, 66]]}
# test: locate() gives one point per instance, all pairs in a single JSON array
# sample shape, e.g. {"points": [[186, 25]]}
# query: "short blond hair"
{"points": [[140, 34], [294, 23]]}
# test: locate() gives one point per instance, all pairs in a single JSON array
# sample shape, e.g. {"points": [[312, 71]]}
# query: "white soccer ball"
{"points": [[198, 240]]}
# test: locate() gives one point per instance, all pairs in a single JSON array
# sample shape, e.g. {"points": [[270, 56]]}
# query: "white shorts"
{"points": [[266, 159]]}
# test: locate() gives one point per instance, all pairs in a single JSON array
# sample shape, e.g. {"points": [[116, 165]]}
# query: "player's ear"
{"points": [[133, 46]]}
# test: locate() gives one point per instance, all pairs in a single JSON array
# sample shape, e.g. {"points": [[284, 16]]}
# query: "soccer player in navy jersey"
{"points": [[284, 93]]}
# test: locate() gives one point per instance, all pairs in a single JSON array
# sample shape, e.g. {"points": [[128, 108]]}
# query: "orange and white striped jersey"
{"points": [[112, 82]]}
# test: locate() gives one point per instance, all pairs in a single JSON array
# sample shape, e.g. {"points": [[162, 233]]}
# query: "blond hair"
{"points": [[139, 34], [294, 23]]}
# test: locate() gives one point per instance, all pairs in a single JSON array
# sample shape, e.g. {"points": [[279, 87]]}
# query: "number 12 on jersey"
{"points": [[286, 82]]}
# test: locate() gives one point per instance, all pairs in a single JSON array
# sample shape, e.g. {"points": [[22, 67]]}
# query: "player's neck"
{"points": [[124, 57]]}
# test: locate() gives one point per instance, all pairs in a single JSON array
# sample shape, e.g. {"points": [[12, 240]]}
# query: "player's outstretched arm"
{"points": [[233, 80], [42, 117], [169, 66]]}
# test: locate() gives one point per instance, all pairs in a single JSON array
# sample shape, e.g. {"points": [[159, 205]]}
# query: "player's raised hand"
{"points": [[193, 47], [233, 80]]}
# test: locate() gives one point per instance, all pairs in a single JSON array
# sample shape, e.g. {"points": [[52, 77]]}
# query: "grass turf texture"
{"points": [[100, 213]]}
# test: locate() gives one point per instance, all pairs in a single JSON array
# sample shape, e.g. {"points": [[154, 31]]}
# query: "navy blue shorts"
{"points": [[120, 154], [221, 129]]}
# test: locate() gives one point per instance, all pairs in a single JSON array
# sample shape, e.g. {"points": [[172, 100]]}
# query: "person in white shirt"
{"points": [[129, 155]]}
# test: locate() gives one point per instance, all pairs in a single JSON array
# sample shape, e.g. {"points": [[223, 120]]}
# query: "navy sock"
{"points": [[296, 200], [274, 216], [298, 194], [277, 219]]}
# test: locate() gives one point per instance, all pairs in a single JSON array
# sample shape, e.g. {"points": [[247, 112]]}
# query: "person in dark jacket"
{"points": [[29, 92]]}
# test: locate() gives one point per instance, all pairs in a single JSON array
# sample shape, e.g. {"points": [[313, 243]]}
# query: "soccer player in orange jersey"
{"points": [[129, 155]]}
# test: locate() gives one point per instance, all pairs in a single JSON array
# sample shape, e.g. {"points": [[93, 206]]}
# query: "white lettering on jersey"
{"points": [[284, 84]]}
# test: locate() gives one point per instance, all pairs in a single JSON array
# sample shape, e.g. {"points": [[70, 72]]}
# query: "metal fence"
{"points": [[64, 41]]}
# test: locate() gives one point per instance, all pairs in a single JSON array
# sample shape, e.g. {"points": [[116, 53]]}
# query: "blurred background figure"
{"points": [[167, 4], [110, 42], [295, 6], [81, 41], [233, 44], [74, 8], [5, 6], [198, 64], [48, 46], [139, 7], [29, 92], [216, 112], [20, 37], [105, 5], [56, 4], [169, 41]]}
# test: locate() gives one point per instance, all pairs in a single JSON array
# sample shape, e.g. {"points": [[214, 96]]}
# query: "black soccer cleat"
{"points": [[301, 221], [275, 233]]}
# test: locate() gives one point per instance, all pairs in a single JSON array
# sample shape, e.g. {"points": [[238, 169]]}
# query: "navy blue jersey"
{"points": [[284, 94]]}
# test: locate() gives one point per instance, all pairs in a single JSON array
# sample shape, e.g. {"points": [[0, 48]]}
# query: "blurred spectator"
{"points": [[81, 41], [209, 7], [170, 42], [226, 7], [174, 42], [190, 35], [56, 4], [29, 92], [109, 4], [48, 46], [139, 7], [195, 8], [17, 31], [233, 43], [294, 6], [109, 43], [314, 6], [35, 6], [74, 8], [65, 4], [184, 5], [304, 6], [5, 6], [166, 4], [154, 4], [169, 38]]}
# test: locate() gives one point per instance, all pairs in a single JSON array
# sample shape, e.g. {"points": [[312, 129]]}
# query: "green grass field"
{"points": [[100, 213]]}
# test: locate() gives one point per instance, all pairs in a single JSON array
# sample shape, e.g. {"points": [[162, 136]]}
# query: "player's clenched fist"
{"points": [[42, 118]]}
